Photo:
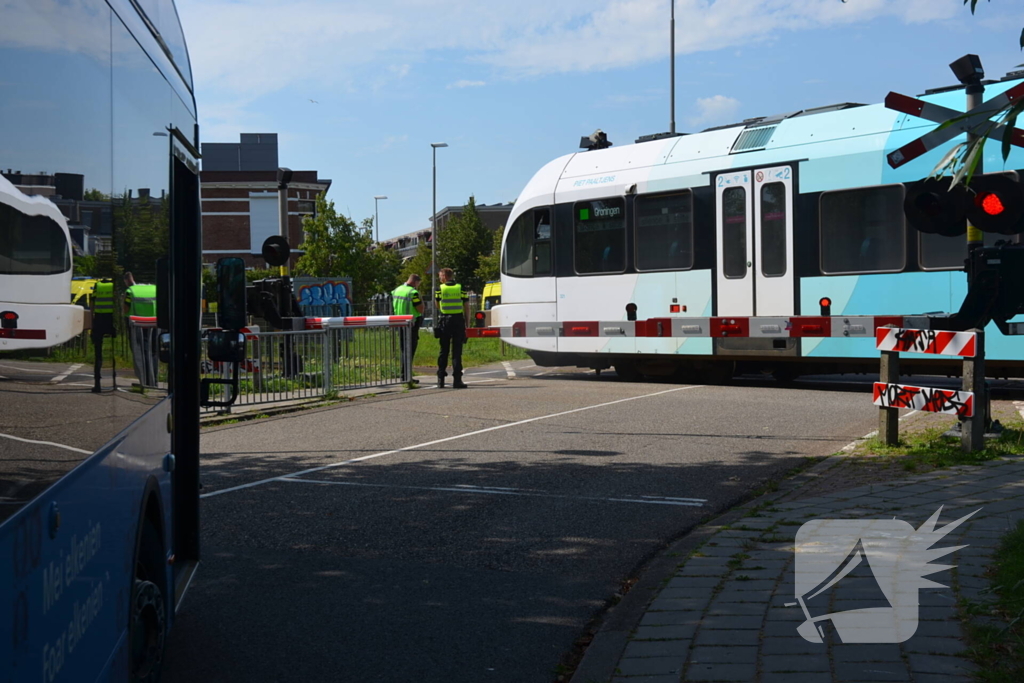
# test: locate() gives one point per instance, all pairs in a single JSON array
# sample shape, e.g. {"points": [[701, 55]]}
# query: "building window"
{"points": [[600, 236], [863, 231], [773, 230], [734, 232], [664, 232], [307, 207]]}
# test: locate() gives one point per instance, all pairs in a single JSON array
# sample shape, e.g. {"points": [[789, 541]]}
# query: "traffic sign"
{"points": [[938, 342], [959, 122], [948, 401]]}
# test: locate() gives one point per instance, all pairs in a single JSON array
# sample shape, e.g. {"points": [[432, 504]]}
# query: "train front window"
{"points": [[600, 236], [664, 232], [518, 256], [31, 245], [863, 231]]}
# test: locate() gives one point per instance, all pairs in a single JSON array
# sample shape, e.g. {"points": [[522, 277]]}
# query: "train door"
{"points": [[754, 240]]}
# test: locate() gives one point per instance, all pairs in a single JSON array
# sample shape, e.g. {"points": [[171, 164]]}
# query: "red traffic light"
{"points": [[825, 304], [997, 204]]}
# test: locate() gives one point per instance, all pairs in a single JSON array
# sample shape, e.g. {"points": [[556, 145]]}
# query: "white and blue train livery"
{"points": [[796, 215]]}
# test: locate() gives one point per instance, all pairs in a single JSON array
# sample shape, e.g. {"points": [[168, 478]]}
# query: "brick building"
{"points": [[240, 200], [494, 217]]}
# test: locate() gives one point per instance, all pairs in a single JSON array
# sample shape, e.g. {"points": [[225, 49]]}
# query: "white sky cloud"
{"points": [[334, 40], [467, 84], [715, 110]]}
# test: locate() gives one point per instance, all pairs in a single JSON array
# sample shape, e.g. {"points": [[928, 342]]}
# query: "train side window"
{"points": [[863, 230], [773, 230], [664, 232], [936, 252], [32, 245], [599, 231], [518, 259], [542, 242], [734, 232]]}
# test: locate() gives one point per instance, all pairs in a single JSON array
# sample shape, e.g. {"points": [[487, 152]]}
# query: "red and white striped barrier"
{"points": [[143, 321], [929, 399], [935, 342], [858, 327], [359, 321]]}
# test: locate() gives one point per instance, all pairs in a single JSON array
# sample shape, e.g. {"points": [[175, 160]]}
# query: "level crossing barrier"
{"points": [[331, 355]]}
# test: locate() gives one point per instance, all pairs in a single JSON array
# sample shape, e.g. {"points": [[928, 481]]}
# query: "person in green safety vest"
{"points": [[102, 326], [451, 304], [405, 300], [139, 304]]}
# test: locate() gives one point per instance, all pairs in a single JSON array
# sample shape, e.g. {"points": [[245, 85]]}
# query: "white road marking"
{"points": [[46, 443], [15, 367], [650, 500], [64, 375], [870, 435], [508, 369], [445, 440]]}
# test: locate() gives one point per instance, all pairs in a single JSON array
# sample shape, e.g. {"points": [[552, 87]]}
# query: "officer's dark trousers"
{"points": [[453, 334], [102, 326], [412, 347]]}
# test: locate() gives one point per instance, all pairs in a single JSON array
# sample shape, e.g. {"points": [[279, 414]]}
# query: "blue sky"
{"points": [[510, 86]]}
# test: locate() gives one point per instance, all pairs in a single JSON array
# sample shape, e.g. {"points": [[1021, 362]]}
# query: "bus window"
{"points": [[664, 232], [600, 236], [863, 231]]}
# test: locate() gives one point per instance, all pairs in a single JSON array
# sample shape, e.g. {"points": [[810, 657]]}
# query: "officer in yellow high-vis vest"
{"points": [[406, 300], [451, 323], [102, 326]]}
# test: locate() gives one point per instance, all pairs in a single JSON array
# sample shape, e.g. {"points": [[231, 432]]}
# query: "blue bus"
{"points": [[99, 490]]}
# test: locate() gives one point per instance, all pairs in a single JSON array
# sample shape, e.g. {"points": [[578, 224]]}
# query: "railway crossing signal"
{"points": [[933, 207], [958, 122], [996, 205]]}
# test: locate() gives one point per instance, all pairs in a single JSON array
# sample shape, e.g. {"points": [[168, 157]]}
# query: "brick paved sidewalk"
{"points": [[724, 615]]}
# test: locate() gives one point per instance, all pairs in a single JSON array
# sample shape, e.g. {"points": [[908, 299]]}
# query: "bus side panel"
{"points": [[67, 590]]}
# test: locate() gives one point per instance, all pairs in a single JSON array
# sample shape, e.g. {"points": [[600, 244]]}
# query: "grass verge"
{"points": [[999, 651], [928, 449], [475, 352]]}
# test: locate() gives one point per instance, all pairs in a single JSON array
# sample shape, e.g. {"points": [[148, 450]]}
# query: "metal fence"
{"points": [[309, 364]]}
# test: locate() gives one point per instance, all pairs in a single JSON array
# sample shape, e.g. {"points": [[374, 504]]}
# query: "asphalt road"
{"points": [[479, 531]]}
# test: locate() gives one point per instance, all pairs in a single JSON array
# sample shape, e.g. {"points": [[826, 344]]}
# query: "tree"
{"points": [[85, 265], [336, 247], [461, 243], [420, 265], [489, 267]]}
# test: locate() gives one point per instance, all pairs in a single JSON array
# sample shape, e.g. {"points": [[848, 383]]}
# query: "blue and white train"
{"points": [[764, 220]]}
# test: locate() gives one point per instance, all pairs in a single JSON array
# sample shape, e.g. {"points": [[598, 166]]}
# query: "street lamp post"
{"points": [[433, 230], [376, 215]]}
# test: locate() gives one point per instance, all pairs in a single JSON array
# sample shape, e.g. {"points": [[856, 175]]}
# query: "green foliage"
{"points": [[94, 195], [420, 265], [929, 449], [85, 265], [141, 235], [461, 243], [253, 274], [336, 247], [489, 267]]}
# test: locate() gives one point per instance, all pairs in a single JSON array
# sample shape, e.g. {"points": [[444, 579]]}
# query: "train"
{"points": [[772, 245]]}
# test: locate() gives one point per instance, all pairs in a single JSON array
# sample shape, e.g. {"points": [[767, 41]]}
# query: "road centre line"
{"points": [[649, 500], [64, 375], [46, 443], [508, 369], [445, 440]]}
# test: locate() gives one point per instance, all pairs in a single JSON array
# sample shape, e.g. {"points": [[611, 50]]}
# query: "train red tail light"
{"points": [[826, 306], [8, 320], [478, 319]]}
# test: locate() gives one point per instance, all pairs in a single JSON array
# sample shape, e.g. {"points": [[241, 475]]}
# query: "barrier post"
{"points": [[889, 418], [407, 332], [972, 429]]}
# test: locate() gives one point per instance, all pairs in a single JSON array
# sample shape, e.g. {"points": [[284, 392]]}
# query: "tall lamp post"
{"points": [[433, 230], [376, 215]]}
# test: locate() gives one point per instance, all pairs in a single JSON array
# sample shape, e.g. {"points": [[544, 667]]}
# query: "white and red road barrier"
{"points": [[143, 321], [929, 399], [848, 326], [359, 321], [935, 342]]}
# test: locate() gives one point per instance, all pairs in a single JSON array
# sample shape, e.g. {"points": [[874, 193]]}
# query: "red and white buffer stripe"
{"points": [[143, 321], [858, 327], [935, 342], [929, 399], [359, 321], [961, 122]]}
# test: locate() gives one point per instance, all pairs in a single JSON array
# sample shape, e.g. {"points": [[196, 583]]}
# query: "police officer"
{"points": [[451, 325], [405, 300], [102, 325], [140, 302]]}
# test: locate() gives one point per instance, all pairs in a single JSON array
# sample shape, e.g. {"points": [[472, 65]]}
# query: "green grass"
{"points": [[929, 449], [474, 352], [999, 652]]}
